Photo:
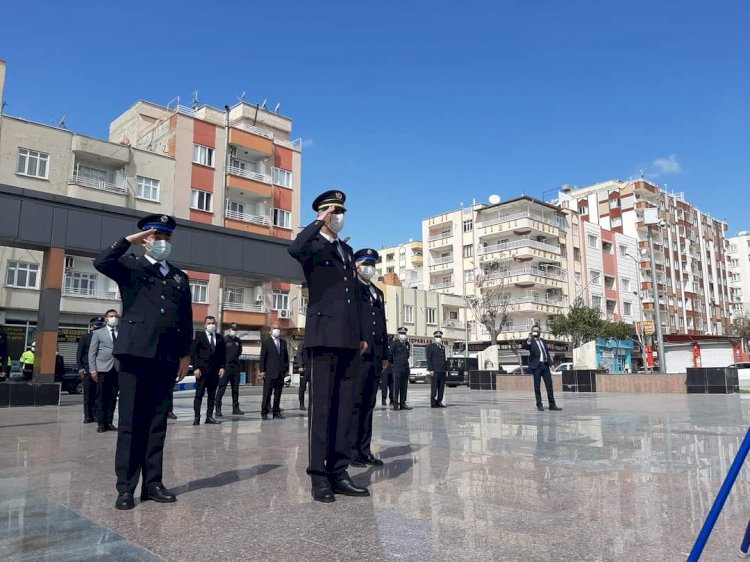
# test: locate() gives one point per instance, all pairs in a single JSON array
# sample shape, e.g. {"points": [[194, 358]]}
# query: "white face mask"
{"points": [[210, 328], [367, 272], [275, 332], [232, 333], [438, 340], [337, 223], [112, 321], [402, 337]]}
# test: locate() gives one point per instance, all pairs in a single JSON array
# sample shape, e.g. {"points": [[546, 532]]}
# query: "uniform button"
{"points": [[373, 323], [345, 279], [347, 289], [163, 311], [348, 301], [163, 282], [163, 297]]}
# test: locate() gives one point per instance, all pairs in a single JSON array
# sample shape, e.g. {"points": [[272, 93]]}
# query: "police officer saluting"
{"points": [[333, 339], [436, 365], [153, 347], [373, 361], [399, 356]]}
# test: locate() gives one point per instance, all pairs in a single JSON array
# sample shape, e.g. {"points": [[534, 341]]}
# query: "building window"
{"points": [[390, 257], [593, 241], [627, 308], [78, 283], [203, 155], [202, 200], [596, 302], [390, 270], [623, 251], [468, 251], [409, 313], [431, 314], [625, 282], [234, 295], [199, 291], [469, 276], [578, 277], [614, 203], [32, 163], [94, 174], [148, 188], [23, 275], [282, 218], [576, 254], [453, 315], [616, 222], [595, 277], [282, 177], [468, 225], [280, 300]]}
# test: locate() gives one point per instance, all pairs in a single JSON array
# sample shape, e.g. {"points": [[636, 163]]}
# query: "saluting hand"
{"points": [[139, 238], [325, 215], [183, 369]]}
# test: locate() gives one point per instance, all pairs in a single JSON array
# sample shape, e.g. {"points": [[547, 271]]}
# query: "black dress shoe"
{"points": [[111, 427], [218, 414], [405, 407], [302, 406], [211, 421], [323, 493], [540, 408], [555, 407], [171, 416], [359, 462], [373, 461], [197, 421], [158, 494], [237, 412], [101, 429], [264, 417], [125, 501], [279, 415], [441, 406], [88, 420], [397, 407], [434, 406], [346, 487], [383, 403]]}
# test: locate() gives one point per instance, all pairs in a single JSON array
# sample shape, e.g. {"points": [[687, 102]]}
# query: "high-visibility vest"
{"points": [[27, 358]]}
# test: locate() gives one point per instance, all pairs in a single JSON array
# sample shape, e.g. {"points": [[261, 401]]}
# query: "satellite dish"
{"points": [[494, 199]]}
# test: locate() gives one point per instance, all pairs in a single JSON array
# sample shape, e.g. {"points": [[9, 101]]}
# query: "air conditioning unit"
{"points": [[284, 313]]}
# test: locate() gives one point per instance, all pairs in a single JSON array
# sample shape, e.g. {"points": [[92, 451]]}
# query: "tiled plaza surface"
{"points": [[611, 477]]}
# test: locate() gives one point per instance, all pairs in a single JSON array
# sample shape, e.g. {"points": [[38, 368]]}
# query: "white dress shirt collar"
{"points": [[163, 266], [331, 239]]}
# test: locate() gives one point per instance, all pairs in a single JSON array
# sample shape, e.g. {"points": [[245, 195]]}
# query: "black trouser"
{"points": [[144, 402], [208, 382], [90, 391], [368, 382], [302, 387], [107, 386], [400, 384], [542, 372], [272, 385], [231, 375], [437, 387], [332, 389], [28, 372], [386, 385], [171, 398]]}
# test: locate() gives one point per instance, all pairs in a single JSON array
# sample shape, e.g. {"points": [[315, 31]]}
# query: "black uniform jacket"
{"points": [[372, 314], [399, 354], [157, 313], [333, 318], [436, 358]]}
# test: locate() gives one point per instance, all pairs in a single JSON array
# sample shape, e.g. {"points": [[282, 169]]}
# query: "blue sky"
{"points": [[414, 107]]}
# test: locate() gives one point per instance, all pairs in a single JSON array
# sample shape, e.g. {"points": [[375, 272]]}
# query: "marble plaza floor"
{"points": [[612, 477]]}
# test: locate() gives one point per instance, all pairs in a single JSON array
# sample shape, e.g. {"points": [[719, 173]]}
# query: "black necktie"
{"points": [[213, 343], [114, 336]]}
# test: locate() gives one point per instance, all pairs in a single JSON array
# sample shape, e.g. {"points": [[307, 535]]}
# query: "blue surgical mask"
{"points": [[160, 250]]}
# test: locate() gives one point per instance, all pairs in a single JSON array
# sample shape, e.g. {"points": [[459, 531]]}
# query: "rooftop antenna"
{"points": [[263, 105], [242, 97], [195, 99], [61, 123], [276, 109]]}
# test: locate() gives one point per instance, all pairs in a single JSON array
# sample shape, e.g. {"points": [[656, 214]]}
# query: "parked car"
{"points": [[562, 367], [458, 370], [521, 371], [70, 381], [419, 373]]}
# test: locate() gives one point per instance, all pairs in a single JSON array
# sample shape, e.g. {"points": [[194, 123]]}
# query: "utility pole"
{"points": [[652, 218]]}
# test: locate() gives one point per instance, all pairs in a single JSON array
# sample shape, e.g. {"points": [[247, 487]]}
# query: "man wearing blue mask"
{"points": [[152, 344]]}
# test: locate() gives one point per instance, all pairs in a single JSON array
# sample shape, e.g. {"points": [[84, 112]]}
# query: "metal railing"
{"points": [[442, 261], [94, 293], [97, 184], [520, 243], [243, 307], [454, 324], [246, 217], [558, 223], [240, 124], [535, 299], [519, 327], [295, 144], [263, 178], [442, 285], [441, 236], [549, 274]]}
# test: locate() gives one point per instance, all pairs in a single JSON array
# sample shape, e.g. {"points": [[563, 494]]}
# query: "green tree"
{"points": [[619, 331], [581, 324]]}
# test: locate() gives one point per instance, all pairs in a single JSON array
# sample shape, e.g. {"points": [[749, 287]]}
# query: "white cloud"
{"points": [[667, 166]]}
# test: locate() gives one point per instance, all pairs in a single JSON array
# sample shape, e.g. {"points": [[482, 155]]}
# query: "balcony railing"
{"points": [[442, 285], [244, 307], [245, 217], [519, 326], [441, 236], [97, 184], [549, 274], [558, 223], [441, 261], [454, 324], [536, 299], [520, 243], [249, 174], [241, 124], [96, 293], [295, 144]]}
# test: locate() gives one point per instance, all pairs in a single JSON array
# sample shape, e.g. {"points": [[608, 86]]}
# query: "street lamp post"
{"points": [[640, 299], [657, 306]]}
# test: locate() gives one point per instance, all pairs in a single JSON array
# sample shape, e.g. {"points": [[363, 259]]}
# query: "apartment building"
{"points": [[739, 273], [690, 251], [235, 168], [405, 260]]}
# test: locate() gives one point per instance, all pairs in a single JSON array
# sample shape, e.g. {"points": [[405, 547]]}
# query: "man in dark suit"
{"points": [[303, 374], [209, 359], [373, 361], [274, 366], [153, 347], [400, 352], [232, 350], [82, 362], [539, 363], [437, 366], [104, 370], [333, 338]]}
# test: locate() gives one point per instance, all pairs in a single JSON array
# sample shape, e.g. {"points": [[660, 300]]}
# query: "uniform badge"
{"points": [[178, 279], [164, 219]]}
